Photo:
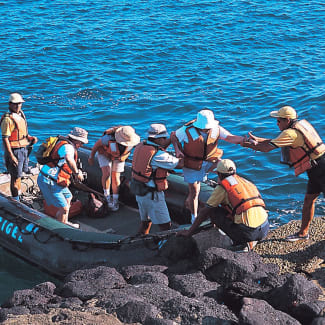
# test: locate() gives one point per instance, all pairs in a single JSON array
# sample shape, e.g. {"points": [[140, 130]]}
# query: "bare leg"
{"points": [[116, 181], [144, 227], [63, 212], [106, 178], [192, 201], [308, 211]]}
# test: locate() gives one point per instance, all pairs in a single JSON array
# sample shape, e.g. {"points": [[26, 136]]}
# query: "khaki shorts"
{"points": [[115, 165], [153, 209]]}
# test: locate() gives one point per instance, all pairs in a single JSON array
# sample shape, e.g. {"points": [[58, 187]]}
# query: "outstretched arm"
{"points": [[93, 151], [258, 144], [176, 144]]}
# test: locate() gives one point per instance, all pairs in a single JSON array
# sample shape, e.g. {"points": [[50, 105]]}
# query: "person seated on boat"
{"points": [[150, 167], [197, 142], [235, 207], [16, 141], [55, 177], [113, 148]]}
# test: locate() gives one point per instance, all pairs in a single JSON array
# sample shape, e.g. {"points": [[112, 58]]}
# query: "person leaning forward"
{"points": [[16, 140], [150, 167], [113, 148], [303, 149], [55, 177], [235, 207], [197, 142]]}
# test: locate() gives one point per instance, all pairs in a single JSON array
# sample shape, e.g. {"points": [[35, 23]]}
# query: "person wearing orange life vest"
{"points": [[303, 149], [55, 177], [113, 148], [16, 139], [235, 207], [197, 142], [150, 167]]}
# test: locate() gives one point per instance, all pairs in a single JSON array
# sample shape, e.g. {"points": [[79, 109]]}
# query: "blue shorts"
{"points": [[22, 156], [191, 176], [53, 193]]}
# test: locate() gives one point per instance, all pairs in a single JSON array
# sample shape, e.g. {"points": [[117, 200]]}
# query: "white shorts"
{"points": [[153, 210], [191, 176], [103, 161]]}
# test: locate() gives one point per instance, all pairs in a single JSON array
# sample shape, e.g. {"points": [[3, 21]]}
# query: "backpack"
{"points": [[43, 153]]}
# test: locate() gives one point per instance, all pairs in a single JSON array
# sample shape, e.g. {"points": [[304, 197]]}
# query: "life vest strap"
{"points": [[233, 213]]}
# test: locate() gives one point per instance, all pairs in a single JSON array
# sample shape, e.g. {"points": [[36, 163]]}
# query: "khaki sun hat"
{"points": [[16, 98], [205, 120], [126, 136], [285, 112], [157, 130], [79, 134], [226, 166]]}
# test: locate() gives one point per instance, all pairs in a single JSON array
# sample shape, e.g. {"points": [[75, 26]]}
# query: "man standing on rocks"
{"points": [[303, 149], [236, 207]]}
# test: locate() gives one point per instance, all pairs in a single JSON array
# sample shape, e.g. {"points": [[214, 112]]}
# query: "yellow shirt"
{"points": [[253, 217], [8, 125], [292, 138]]}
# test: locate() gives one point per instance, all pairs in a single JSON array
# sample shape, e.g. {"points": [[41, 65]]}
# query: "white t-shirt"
{"points": [[161, 159]]}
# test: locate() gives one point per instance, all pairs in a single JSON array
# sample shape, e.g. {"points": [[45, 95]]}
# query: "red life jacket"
{"points": [[65, 172], [300, 157], [112, 150], [19, 136], [242, 195], [198, 150], [141, 167]]}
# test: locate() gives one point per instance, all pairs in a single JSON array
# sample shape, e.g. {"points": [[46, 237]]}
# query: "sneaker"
{"points": [[74, 225], [113, 206], [296, 237]]}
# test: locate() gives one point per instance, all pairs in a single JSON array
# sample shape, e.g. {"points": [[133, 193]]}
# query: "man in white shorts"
{"points": [[113, 148], [150, 167], [197, 143]]}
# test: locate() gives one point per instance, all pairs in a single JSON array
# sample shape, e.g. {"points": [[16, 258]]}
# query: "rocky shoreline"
{"points": [[195, 280]]}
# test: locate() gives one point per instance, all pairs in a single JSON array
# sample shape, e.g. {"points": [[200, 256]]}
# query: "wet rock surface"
{"points": [[279, 283]]}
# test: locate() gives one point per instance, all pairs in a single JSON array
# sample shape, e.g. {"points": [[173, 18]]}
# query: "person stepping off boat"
{"points": [[197, 143], [236, 207], [113, 148]]}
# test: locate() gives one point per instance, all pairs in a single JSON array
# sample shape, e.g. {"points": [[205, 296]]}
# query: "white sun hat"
{"points": [[205, 120]]}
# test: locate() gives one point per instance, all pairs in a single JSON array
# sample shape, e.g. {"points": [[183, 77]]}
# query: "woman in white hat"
{"points": [[197, 142], [113, 148]]}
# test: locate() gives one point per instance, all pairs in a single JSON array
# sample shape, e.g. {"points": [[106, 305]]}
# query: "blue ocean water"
{"points": [[99, 63]]}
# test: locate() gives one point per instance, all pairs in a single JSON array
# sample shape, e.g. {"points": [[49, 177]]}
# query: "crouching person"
{"points": [[150, 167], [235, 207], [55, 177], [113, 148]]}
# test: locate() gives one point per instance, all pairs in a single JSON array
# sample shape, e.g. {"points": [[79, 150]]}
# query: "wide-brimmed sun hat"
{"points": [[285, 112], [126, 136], [205, 120], [16, 98], [79, 134], [157, 130], [226, 166]]}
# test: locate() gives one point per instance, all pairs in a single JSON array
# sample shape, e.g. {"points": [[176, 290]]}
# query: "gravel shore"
{"points": [[307, 257]]}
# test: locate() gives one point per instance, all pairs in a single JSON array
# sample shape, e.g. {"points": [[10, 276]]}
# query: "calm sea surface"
{"points": [[99, 63]]}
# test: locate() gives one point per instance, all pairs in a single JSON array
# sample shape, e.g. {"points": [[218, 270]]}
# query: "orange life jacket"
{"points": [[198, 150], [242, 195], [19, 136], [300, 157], [65, 172], [112, 150], [141, 167]]}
